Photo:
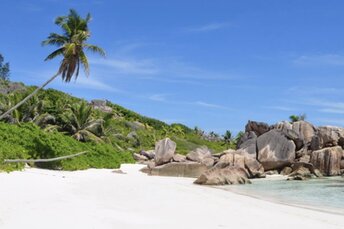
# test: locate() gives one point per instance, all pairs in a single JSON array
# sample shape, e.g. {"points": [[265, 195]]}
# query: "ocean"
{"points": [[324, 194]]}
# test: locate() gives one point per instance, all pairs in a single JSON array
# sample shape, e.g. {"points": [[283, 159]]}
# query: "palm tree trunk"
{"points": [[28, 97], [43, 160]]}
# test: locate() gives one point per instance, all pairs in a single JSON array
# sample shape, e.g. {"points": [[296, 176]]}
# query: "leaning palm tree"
{"points": [[71, 46]]}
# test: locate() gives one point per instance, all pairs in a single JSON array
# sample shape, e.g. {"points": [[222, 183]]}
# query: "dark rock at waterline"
{"points": [[327, 160], [228, 175], [243, 160], [177, 169]]}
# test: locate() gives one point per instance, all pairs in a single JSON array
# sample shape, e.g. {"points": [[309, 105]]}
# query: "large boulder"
{"points": [[164, 151], [327, 160], [342, 164], [254, 168], [201, 155], [179, 158], [101, 105], [228, 175], [275, 150], [248, 143], [328, 136], [139, 157], [304, 130], [283, 126], [303, 171], [243, 160], [258, 128], [231, 159], [178, 169], [150, 154]]}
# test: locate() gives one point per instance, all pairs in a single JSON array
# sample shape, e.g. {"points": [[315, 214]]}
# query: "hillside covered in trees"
{"points": [[53, 124]]}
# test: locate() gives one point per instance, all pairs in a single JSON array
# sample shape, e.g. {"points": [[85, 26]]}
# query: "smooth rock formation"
{"points": [[164, 151], [248, 143], [286, 171], [178, 169], [201, 155], [179, 158], [139, 157], [303, 171], [150, 154], [231, 159], [283, 126], [304, 130], [243, 160], [327, 160], [275, 150], [254, 168], [258, 128], [101, 105], [228, 175], [328, 136], [342, 164]]}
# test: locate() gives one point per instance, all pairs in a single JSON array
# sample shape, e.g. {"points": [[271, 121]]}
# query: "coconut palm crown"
{"points": [[71, 44]]}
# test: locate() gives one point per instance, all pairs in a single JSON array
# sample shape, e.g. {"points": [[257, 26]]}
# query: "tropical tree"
{"points": [[227, 138], [4, 69], [71, 46], [30, 112], [81, 124]]}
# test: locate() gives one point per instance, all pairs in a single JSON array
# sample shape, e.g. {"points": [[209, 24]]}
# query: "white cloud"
{"points": [[158, 69], [210, 105], [308, 90], [320, 60], [207, 27], [327, 106], [158, 97], [126, 66], [93, 83], [280, 108]]}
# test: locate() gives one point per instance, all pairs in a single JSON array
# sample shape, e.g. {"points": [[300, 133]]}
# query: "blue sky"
{"points": [[211, 64]]}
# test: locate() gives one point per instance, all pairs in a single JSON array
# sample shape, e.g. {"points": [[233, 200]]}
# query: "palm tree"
{"points": [[71, 46], [227, 137], [81, 123]]}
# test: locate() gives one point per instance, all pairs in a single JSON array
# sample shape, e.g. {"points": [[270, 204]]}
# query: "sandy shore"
{"points": [[102, 199]]}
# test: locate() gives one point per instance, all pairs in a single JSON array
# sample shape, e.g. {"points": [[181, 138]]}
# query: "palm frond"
{"points": [[95, 49], [84, 62], [54, 54]]}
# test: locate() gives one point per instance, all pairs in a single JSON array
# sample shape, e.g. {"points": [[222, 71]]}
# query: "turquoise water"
{"points": [[325, 194]]}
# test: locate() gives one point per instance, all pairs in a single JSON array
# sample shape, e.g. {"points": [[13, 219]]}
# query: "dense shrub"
{"points": [[29, 141]]}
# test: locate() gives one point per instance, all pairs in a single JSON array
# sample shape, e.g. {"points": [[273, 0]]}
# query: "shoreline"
{"points": [[257, 195], [278, 201], [102, 198]]}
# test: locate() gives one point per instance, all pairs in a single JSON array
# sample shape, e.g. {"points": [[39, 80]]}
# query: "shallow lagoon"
{"points": [[325, 194]]}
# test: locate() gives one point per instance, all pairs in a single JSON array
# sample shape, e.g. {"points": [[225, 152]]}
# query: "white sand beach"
{"points": [[102, 199]]}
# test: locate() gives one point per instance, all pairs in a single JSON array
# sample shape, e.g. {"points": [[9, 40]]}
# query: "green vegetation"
{"points": [[295, 118], [53, 124], [4, 69], [29, 141]]}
